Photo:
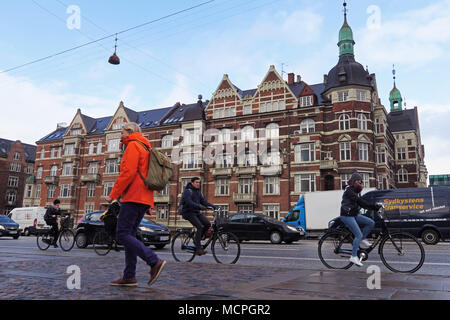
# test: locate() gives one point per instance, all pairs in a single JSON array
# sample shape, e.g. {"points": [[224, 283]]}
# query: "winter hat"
{"points": [[355, 176]]}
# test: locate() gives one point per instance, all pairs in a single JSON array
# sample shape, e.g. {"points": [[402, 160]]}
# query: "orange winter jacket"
{"points": [[129, 184]]}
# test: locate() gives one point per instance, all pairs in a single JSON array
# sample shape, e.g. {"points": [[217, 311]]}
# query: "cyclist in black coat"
{"points": [[193, 201], [50, 218], [351, 217]]}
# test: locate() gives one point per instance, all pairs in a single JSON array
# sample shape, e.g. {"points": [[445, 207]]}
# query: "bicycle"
{"points": [[225, 245], [335, 248], [66, 237], [105, 239]]}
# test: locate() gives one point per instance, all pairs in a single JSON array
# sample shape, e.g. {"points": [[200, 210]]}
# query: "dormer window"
{"points": [[119, 123], [306, 101], [75, 132]]}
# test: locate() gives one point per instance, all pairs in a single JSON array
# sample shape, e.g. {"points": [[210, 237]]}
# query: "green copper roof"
{"points": [[346, 42], [395, 97]]}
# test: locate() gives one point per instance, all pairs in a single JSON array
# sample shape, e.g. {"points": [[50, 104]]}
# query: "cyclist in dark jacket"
{"points": [[50, 218], [193, 201], [351, 217]]}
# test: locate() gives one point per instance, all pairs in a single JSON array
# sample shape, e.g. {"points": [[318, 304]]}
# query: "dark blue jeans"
{"points": [[353, 224], [130, 216]]}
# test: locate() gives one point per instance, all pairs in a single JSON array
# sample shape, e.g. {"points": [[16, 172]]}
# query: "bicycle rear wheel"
{"points": [[226, 248], [182, 247], [43, 241], [335, 250], [66, 240], [402, 252], [102, 243]]}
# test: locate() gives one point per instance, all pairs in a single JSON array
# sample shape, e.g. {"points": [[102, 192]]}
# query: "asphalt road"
{"points": [[299, 255]]}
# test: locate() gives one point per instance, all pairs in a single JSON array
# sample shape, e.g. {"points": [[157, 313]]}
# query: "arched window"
{"points": [[247, 133], [272, 131], [362, 122], [344, 122], [167, 141], [402, 175], [91, 148], [54, 171], [247, 159], [308, 126]]}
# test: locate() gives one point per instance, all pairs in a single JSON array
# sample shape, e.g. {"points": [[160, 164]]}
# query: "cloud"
{"points": [[415, 37]]}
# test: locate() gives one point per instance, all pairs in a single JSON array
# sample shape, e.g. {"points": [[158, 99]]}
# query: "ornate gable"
{"points": [[120, 118]]}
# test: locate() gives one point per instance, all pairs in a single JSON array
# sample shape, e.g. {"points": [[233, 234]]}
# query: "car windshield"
{"points": [[270, 219], [5, 219], [147, 221]]}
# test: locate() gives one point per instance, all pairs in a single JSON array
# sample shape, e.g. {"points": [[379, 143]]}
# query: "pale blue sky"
{"points": [[183, 56]]}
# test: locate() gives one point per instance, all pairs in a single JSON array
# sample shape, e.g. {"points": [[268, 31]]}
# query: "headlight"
{"points": [[292, 228], [146, 229], [2, 228]]}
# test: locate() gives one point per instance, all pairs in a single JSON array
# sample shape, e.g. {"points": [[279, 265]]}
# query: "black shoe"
{"points": [[200, 251], [55, 245]]}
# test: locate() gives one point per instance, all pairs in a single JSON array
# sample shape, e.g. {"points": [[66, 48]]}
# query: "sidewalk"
{"points": [[45, 277]]}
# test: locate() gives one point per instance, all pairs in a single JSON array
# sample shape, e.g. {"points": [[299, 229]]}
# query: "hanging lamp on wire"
{"points": [[114, 59]]}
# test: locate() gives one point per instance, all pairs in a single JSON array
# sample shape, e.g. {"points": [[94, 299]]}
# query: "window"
{"points": [[247, 133], [75, 132], [14, 167], [271, 186], [29, 169], [67, 169], [38, 191], [54, 171], [51, 191], [162, 212], [91, 190], [248, 109], [402, 175], [224, 136], [42, 153], [11, 197], [184, 183], [39, 172], [343, 96], [28, 192], [272, 131], [380, 154], [65, 190], [305, 183], [224, 209], [111, 166], [271, 210], [89, 207], [108, 186], [362, 122], [360, 95], [401, 153], [91, 148], [165, 191], [247, 159], [99, 148], [224, 160], [245, 208], [380, 181], [366, 180], [13, 182], [344, 122], [16, 155], [304, 152], [93, 168], [69, 149], [167, 141], [245, 185], [344, 180], [344, 149], [377, 125], [262, 107], [306, 101], [59, 152], [222, 187], [113, 145], [53, 152], [273, 158], [191, 137], [191, 160], [120, 121], [363, 149], [308, 126]]}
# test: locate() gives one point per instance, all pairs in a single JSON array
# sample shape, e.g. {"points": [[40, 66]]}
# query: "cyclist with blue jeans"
{"points": [[351, 217]]}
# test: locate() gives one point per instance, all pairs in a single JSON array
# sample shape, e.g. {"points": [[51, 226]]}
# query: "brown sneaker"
{"points": [[123, 282], [200, 251], [155, 271]]}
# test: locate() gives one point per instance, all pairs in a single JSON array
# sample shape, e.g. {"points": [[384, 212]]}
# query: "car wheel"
{"points": [[430, 236], [81, 240], [26, 232], [159, 246], [275, 237], [16, 237]]}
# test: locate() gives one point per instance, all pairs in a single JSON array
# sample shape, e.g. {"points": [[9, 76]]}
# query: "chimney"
{"points": [[291, 77], [325, 79], [299, 78]]}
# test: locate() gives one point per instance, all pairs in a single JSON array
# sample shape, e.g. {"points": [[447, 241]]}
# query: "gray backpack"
{"points": [[159, 169]]}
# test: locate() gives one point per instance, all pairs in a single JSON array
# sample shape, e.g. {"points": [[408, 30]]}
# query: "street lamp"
{"points": [[114, 59]]}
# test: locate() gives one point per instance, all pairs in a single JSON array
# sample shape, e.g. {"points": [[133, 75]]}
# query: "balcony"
{"points": [[92, 177], [328, 165], [246, 171], [271, 170], [158, 198], [221, 172], [51, 180], [244, 197]]}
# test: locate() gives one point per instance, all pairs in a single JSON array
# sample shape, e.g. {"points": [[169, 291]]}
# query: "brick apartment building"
{"points": [[16, 166], [269, 144]]}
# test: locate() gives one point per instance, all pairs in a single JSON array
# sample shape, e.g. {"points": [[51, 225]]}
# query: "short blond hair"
{"points": [[132, 127]]}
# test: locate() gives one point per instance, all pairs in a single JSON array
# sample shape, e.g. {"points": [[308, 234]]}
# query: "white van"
{"points": [[29, 219]]}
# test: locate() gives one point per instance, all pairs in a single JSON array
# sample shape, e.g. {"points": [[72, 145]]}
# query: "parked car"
{"points": [[30, 219], [149, 232], [252, 226], [8, 228]]}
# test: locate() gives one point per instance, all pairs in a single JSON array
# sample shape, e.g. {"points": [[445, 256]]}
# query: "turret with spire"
{"points": [[346, 42], [395, 96]]}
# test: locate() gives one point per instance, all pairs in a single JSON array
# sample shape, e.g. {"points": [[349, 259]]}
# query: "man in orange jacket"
{"points": [[136, 200]]}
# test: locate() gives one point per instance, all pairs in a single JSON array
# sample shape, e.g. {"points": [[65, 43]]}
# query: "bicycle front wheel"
{"points": [[182, 247], [102, 243], [226, 248], [66, 240], [43, 241], [402, 252], [335, 250]]}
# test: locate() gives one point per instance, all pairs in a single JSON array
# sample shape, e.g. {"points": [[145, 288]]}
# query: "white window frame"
{"points": [[345, 151], [272, 131], [299, 180], [39, 172], [344, 179], [247, 109], [344, 122], [67, 169], [113, 145], [65, 189], [16, 155], [271, 186], [247, 159], [13, 181], [54, 171], [91, 187], [246, 185], [222, 187], [363, 151], [245, 208], [162, 211], [111, 166], [272, 210], [401, 153], [343, 96], [167, 141], [69, 149], [91, 148], [107, 188], [51, 191], [306, 101], [308, 126], [361, 95], [362, 121], [402, 175], [300, 151]]}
